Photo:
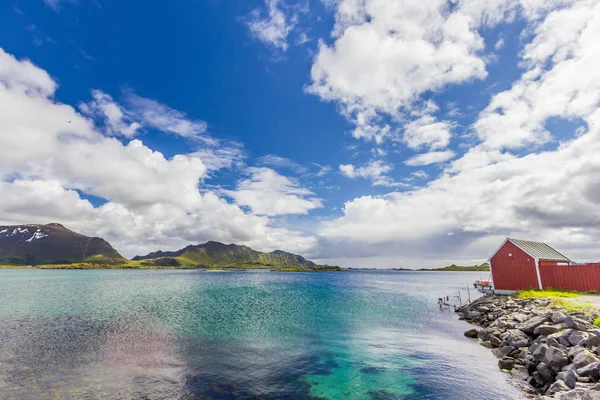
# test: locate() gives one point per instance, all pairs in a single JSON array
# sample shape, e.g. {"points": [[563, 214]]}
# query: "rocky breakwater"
{"points": [[555, 352]]}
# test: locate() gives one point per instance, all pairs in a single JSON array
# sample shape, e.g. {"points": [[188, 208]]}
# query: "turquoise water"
{"points": [[256, 335]]}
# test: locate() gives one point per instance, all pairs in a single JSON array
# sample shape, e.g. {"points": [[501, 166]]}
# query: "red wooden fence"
{"points": [[583, 278]]}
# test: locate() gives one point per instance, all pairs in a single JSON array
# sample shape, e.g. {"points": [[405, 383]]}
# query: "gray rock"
{"points": [[502, 352], [561, 337], [520, 317], [516, 338], [591, 370], [558, 386], [558, 317], [575, 350], [473, 315], [556, 358], [577, 323], [578, 394], [483, 335], [539, 352], [519, 372], [495, 341], [568, 377], [584, 358], [546, 373], [530, 324], [507, 363], [578, 338], [548, 329], [472, 333]]}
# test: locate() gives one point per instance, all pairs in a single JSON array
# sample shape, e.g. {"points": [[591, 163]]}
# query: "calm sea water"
{"points": [[200, 335]]}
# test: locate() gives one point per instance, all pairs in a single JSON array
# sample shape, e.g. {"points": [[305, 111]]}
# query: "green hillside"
{"points": [[453, 267], [219, 255]]}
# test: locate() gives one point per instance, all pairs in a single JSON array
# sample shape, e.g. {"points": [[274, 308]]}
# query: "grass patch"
{"points": [[549, 293], [572, 307]]}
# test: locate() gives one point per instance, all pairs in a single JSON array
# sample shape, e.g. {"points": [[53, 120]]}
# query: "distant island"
{"points": [[54, 246], [453, 267]]}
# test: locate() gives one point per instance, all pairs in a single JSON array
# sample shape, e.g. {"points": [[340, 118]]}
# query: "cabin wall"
{"points": [[513, 269], [581, 278]]}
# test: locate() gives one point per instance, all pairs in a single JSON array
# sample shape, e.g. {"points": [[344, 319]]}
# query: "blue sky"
{"points": [[365, 133]]}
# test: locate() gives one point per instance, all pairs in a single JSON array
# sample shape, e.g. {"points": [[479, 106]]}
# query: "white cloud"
{"points": [[387, 53], [432, 157], [427, 132], [266, 192], [490, 193], [376, 171], [138, 113], [274, 27], [117, 120], [153, 114], [151, 201], [281, 162]]}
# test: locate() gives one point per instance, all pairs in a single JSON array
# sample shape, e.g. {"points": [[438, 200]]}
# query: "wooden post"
{"points": [[469, 293]]}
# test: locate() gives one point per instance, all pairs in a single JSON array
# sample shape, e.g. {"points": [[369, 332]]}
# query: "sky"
{"points": [[360, 133]]}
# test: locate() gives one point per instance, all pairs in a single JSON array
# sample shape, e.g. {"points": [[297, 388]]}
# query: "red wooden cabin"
{"points": [[520, 264]]}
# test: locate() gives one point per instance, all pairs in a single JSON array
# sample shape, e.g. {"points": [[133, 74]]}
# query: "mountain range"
{"points": [[55, 246]]}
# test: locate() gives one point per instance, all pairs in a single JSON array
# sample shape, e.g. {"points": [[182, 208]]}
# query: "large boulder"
{"points": [[556, 358], [578, 394], [546, 373], [578, 338], [583, 358], [577, 323], [529, 325], [591, 370], [547, 329], [515, 338]]}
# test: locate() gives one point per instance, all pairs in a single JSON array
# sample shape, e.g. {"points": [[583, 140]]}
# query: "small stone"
{"points": [[502, 352], [472, 333], [568, 377], [507, 363], [495, 341], [519, 372], [558, 317], [558, 386], [540, 352]]}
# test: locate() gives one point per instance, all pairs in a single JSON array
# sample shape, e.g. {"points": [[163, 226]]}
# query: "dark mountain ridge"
{"points": [[35, 244]]}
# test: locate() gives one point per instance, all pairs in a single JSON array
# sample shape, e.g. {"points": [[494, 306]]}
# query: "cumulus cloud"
{"points": [[272, 27], [51, 157], [432, 157], [266, 192], [427, 132], [375, 170], [490, 193]]}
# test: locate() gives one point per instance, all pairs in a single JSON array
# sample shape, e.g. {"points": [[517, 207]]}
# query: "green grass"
{"points": [[549, 293], [597, 321]]}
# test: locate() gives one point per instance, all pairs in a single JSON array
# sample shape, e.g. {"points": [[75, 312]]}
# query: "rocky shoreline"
{"points": [[553, 353]]}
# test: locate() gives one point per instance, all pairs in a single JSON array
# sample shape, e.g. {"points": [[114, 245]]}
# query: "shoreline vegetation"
{"points": [[549, 344]]}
